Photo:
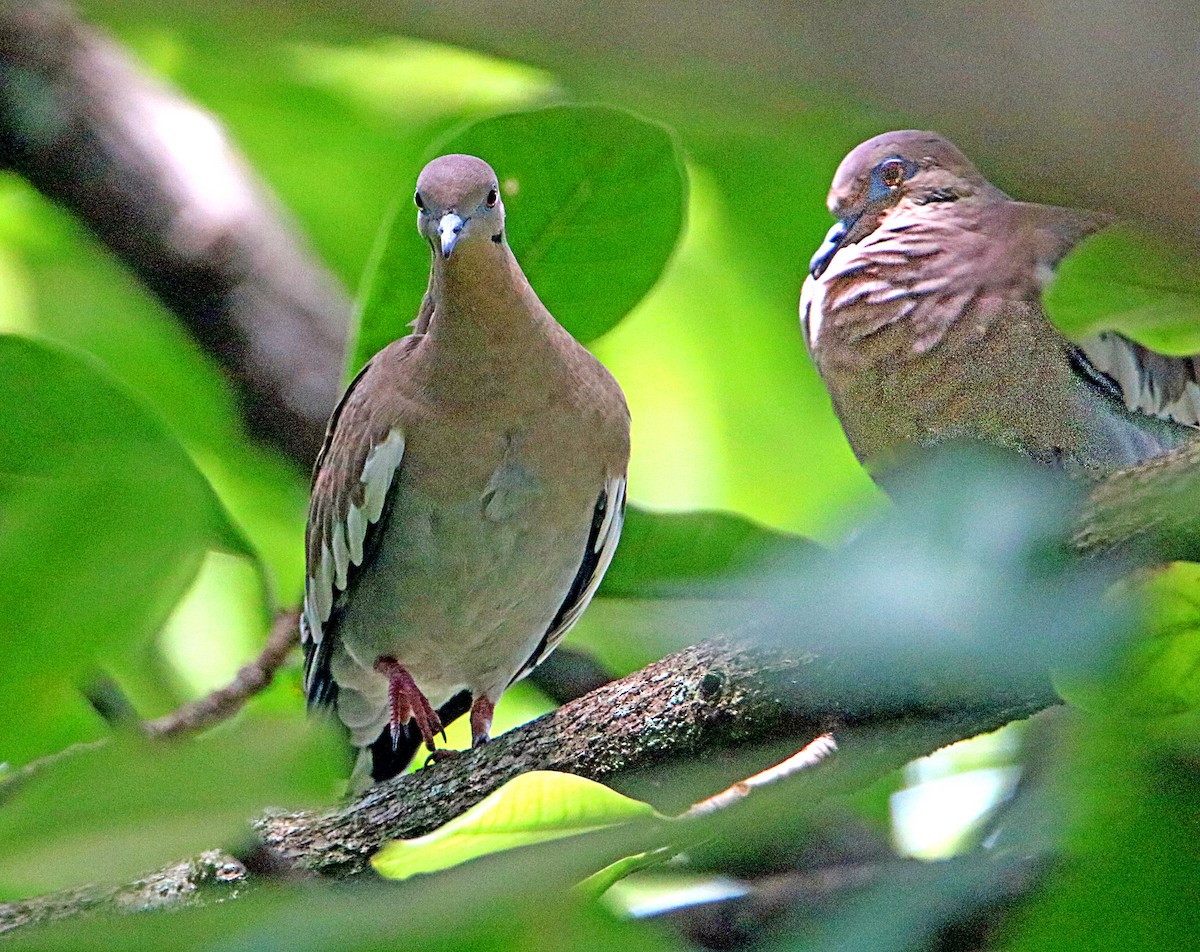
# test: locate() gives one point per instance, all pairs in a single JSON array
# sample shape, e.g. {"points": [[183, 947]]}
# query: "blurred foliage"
{"points": [[488, 908], [123, 465], [963, 589], [110, 812]]}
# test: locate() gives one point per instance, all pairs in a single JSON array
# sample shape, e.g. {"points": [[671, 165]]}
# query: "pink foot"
{"points": [[407, 702], [482, 710]]}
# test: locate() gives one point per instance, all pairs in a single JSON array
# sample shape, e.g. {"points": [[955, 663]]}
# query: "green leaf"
{"points": [[105, 522], [1160, 674], [665, 554], [1131, 278], [531, 808], [116, 809], [63, 413], [1125, 794], [670, 581], [600, 882], [593, 224]]}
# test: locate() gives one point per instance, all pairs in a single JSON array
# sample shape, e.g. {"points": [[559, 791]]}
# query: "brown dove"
{"points": [[923, 314], [468, 498]]}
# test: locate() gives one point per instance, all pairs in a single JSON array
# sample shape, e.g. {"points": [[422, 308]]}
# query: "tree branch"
{"points": [[158, 182], [712, 698], [700, 705], [1148, 512], [805, 901]]}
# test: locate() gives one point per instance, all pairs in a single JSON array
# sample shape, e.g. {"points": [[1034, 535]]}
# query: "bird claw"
{"points": [[442, 755], [482, 710], [408, 703]]}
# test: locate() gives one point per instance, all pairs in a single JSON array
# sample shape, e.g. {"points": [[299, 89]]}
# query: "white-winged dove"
{"points": [[923, 314], [469, 495]]}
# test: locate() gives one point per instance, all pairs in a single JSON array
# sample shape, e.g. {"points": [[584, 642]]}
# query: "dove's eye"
{"points": [[419, 201], [892, 172], [493, 196]]}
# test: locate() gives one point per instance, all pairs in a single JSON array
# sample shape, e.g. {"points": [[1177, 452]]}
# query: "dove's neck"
{"points": [[483, 307]]}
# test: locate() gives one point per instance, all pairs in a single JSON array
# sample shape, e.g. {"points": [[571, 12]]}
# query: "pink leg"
{"points": [[407, 702], [481, 720]]}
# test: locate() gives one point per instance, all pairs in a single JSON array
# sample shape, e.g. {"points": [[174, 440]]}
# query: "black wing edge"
{"points": [[587, 568], [322, 688], [1093, 375]]}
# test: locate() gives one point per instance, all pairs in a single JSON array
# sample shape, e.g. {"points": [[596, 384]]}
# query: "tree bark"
{"points": [[1149, 513], [702, 705]]}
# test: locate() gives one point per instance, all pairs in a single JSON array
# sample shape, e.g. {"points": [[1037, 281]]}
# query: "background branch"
{"points": [[224, 702], [156, 179]]}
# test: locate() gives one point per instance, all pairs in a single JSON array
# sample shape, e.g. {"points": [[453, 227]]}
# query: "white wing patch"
{"points": [[1142, 377], [812, 310], [342, 546], [381, 465]]}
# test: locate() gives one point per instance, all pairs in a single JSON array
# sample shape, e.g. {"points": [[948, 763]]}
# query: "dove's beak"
{"points": [[449, 227], [834, 239]]}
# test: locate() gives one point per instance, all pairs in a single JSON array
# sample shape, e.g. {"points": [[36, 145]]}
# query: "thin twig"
{"points": [[808, 756], [224, 702]]}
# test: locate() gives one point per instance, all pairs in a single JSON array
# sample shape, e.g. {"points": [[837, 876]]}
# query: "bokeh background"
{"points": [[335, 103]]}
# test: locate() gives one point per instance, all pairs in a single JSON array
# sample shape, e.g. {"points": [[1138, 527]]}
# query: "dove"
{"points": [[923, 313], [468, 498]]}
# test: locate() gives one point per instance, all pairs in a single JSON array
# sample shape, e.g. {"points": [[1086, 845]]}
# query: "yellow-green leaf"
{"points": [[531, 808]]}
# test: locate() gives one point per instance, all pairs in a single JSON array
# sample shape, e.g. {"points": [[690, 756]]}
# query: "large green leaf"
{"points": [[670, 583], [64, 413], [531, 808], [1128, 278], [672, 554], [1123, 799], [119, 808], [105, 521], [594, 201]]}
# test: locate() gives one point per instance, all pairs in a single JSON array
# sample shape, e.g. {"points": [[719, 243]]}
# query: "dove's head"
{"points": [[876, 176], [458, 202]]}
